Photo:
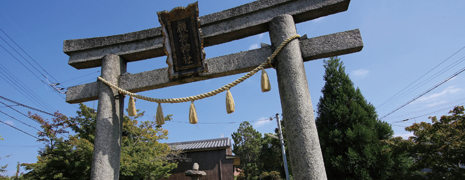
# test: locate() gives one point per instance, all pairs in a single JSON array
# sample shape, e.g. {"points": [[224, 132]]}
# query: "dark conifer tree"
{"points": [[350, 133]]}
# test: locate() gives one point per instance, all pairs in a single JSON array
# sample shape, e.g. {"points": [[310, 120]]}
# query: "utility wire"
{"points": [[18, 90], [79, 77], [22, 63], [19, 120], [47, 84], [23, 89], [4, 98], [28, 55], [429, 90], [461, 100], [19, 129], [437, 74], [8, 106], [421, 76], [408, 119], [21, 113]]}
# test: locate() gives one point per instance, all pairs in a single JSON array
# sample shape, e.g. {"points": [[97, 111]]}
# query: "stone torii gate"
{"points": [[278, 17]]}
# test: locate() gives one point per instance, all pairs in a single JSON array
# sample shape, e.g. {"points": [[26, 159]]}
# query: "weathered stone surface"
{"points": [[228, 25], [302, 137], [328, 45], [331, 45], [109, 123], [193, 173]]}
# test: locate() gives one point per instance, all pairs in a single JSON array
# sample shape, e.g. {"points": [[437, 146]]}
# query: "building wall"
{"points": [[213, 162]]}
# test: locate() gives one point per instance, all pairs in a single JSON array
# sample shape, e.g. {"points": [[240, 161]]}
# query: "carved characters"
{"points": [[183, 37]]}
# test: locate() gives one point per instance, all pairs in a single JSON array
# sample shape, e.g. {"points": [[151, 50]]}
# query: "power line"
{"points": [[23, 89], [27, 55], [8, 106], [429, 90], [408, 119], [47, 84], [461, 100], [21, 112], [433, 76], [421, 76], [26, 106], [19, 120], [18, 90], [19, 129], [22, 63], [79, 77]]}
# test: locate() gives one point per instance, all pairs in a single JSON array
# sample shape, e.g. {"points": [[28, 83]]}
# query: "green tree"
{"points": [[142, 156], [350, 133], [247, 145], [438, 146]]}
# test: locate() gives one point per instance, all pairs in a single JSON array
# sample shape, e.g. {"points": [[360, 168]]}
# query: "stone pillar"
{"points": [[302, 137], [107, 146]]}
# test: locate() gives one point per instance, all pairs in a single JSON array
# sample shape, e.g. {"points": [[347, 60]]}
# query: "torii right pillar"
{"points": [[301, 133]]}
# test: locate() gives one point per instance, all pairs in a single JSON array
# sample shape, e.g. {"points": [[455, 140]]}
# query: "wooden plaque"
{"points": [[182, 39]]}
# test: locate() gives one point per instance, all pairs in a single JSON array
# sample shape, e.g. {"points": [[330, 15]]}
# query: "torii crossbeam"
{"points": [[276, 16]]}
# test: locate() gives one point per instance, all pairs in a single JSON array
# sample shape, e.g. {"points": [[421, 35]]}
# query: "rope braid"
{"points": [[208, 94]]}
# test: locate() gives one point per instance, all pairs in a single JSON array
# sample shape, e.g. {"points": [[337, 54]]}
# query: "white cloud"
{"points": [[404, 136], [318, 19], [449, 90], [360, 72], [436, 103], [260, 36], [9, 122], [262, 121], [253, 46]]}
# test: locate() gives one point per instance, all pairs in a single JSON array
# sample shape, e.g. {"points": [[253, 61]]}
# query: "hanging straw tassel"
{"points": [[230, 107], [160, 118], [132, 107], [265, 82], [193, 114]]}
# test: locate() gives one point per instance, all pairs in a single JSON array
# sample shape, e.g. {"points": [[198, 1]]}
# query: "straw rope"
{"points": [[208, 94]]}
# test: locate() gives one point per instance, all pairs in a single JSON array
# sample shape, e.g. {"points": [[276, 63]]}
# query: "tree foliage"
{"points": [[142, 156], [3, 168], [438, 146], [247, 145], [350, 133]]}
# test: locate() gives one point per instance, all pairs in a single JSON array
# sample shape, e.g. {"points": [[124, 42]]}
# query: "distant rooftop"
{"points": [[219, 143]]}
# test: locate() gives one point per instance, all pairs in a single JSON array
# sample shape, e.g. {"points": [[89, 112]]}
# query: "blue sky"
{"points": [[402, 41]]}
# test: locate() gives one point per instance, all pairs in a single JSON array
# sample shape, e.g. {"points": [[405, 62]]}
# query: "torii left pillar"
{"points": [[108, 128]]}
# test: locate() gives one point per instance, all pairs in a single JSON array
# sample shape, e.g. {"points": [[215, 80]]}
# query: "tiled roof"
{"points": [[202, 144]]}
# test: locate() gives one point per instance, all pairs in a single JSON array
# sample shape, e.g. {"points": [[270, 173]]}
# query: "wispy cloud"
{"points": [[404, 136], [318, 19], [253, 46], [9, 122], [260, 36], [360, 72], [448, 91], [262, 121], [436, 103]]}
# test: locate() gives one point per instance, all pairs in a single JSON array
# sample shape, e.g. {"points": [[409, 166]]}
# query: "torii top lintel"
{"points": [[145, 44]]}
